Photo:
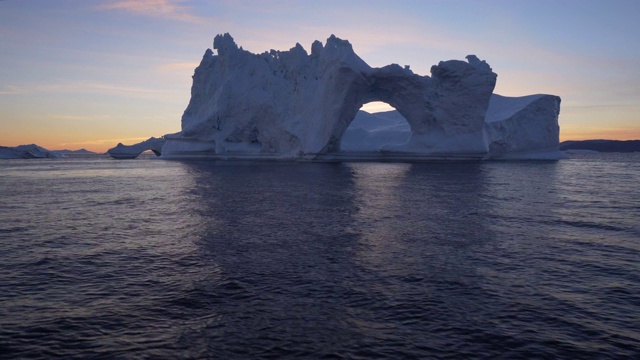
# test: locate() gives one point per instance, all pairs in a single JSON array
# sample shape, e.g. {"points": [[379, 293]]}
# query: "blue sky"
{"points": [[85, 73]]}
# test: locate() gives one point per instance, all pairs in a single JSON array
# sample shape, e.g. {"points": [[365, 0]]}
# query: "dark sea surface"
{"points": [[150, 259]]}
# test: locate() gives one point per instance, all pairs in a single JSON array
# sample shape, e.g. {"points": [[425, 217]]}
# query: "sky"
{"points": [[91, 73]]}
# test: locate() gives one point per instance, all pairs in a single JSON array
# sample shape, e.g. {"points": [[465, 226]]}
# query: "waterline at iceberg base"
{"points": [[291, 105]]}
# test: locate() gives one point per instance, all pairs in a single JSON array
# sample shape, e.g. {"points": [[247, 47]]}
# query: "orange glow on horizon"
{"points": [[101, 142], [101, 146], [600, 136], [574, 133]]}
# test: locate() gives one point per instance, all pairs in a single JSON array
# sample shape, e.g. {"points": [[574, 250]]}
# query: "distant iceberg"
{"points": [[31, 151], [299, 106]]}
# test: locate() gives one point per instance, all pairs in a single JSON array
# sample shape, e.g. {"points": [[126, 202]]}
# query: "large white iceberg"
{"points": [[295, 105]]}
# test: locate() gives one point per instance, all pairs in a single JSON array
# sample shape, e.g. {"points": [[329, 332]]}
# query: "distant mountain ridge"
{"points": [[601, 145], [81, 151]]}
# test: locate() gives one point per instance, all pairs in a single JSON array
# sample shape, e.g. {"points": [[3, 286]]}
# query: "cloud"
{"points": [[92, 117], [168, 9], [616, 106], [178, 66], [123, 90], [106, 141], [580, 132], [12, 90], [102, 88]]}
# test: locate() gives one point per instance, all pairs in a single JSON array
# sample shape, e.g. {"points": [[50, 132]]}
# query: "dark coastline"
{"points": [[602, 145]]}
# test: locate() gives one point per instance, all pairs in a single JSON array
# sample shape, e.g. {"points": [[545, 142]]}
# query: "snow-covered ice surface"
{"points": [[31, 151], [296, 105]]}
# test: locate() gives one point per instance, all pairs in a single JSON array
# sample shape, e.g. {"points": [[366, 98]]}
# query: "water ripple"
{"points": [[151, 259]]}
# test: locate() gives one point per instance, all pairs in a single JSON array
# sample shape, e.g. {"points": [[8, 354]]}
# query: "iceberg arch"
{"points": [[446, 108], [122, 151]]}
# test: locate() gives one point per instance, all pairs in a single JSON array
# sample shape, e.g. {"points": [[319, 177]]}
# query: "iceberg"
{"points": [[31, 151], [298, 106]]}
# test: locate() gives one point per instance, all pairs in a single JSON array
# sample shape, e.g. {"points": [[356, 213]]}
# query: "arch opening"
{"points": [[376, 126]]}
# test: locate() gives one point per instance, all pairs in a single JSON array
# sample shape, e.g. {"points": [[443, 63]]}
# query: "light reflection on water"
{"points": [[233, 260]]}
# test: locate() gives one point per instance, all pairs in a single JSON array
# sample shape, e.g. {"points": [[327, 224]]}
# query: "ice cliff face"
{"points": [[522, 125], [291, 104]]}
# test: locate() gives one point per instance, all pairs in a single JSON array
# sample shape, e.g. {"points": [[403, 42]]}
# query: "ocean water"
{"points": [[146, 259]]}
